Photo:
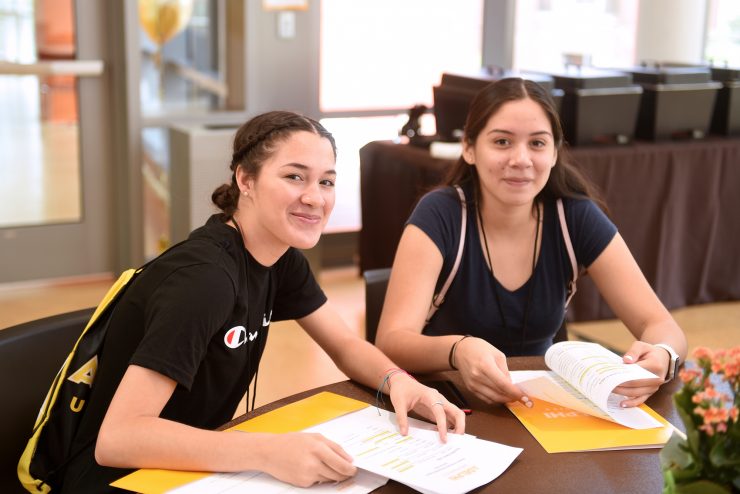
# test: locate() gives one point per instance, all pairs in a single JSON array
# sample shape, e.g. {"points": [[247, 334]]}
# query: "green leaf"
{"points": [[673, 455], [692, 434], [702, 487], [669, 484], [676, 460], [723, 454]]}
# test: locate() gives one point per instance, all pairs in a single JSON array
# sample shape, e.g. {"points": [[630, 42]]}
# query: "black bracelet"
{"points": [[451, 356]]}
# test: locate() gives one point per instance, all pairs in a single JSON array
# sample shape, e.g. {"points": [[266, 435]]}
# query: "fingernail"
{"points": [[629, 357]]}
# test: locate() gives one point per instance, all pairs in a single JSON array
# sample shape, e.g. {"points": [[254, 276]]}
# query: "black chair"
{"points": [[376, 283], [31, 354]]}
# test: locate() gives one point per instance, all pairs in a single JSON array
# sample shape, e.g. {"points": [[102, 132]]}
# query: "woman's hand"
{"points": [[304, 459], [485, 373], [407, 394], [647, 356]]}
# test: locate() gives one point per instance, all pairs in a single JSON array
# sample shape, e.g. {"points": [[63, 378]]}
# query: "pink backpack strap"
{"points": [[571, 254], [439, 298]]}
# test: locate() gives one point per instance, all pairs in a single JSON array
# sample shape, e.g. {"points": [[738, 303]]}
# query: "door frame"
{"points": [[82, 248]]}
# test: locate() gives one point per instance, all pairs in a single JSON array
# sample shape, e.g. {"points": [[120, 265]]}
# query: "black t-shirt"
{"points": [[198, 314], [470, 305]]}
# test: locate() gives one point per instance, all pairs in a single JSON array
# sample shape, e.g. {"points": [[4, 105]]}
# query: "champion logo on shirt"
{"points": [[236, 337]]}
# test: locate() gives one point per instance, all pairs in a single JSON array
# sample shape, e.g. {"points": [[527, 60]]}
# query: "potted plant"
{"points": [[706, 460]]}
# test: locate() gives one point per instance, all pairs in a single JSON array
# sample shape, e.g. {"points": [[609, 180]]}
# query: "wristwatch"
{"points": [[674, 362]]}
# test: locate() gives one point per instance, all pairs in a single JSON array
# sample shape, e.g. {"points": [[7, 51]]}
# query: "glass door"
{"points": [[55, 174]]}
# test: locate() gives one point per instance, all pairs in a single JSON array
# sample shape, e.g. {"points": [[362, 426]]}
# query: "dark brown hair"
{"points": [[255, 142], [564, 181]]}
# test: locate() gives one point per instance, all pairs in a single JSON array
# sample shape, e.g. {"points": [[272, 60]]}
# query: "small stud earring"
{"points": [[246, 193]]}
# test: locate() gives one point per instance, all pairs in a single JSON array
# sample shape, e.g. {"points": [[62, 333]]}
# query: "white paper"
{"points": [[252, 482], [585, 374], [419, 460]]}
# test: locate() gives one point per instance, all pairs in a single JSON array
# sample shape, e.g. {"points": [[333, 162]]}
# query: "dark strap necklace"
{"points": [[495, 282], [246, 292]]}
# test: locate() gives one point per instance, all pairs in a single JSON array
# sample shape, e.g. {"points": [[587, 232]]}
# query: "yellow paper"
{"points": [[559, 429], [290, 418]]}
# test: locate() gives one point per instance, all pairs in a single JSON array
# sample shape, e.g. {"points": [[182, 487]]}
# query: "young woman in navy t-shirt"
{"points": [[508, 295]]}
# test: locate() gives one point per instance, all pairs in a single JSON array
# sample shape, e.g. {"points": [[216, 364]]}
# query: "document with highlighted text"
{"points": [[575, 408], [419, 459], [583, 378]]}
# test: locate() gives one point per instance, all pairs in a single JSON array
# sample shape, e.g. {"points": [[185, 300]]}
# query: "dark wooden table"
{"points": [[535, 470]]}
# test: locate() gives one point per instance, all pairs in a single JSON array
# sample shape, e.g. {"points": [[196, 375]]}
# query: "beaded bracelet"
{"points": [[451, 356]]}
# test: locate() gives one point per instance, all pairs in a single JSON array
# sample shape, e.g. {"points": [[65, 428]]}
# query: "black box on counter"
{"points": [[677, 102], [726, 115], [455, 92], [599, 106]]}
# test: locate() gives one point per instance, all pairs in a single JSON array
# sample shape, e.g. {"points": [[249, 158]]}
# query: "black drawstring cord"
{"points": [[246, 343]]}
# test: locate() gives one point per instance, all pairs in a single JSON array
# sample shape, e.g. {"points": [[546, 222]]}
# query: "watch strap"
{"points": [[673, 363]]}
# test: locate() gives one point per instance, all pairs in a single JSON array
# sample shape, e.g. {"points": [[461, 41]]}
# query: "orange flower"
{"points": [[731, 370], [688, 375], [707, 428], [702, 353], [716, 415], [709, 394]]}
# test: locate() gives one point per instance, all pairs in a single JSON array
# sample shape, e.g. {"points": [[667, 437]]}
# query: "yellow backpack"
{"points": [[49, 448]]}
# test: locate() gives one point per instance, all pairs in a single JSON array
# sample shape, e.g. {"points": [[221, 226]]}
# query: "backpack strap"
{"points": [[439, 298], [571, 254]]}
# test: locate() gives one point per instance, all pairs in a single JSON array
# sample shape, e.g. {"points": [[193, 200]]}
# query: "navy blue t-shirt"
{"points": [[470, 305]]}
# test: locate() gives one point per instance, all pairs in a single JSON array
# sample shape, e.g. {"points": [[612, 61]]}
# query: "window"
{"points": [[602, 31], [182, 61], [723, 33], [387, 54]]}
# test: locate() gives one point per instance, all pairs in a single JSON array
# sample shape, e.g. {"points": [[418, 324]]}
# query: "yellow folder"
{"points": [[559, 429], [290, 418]]}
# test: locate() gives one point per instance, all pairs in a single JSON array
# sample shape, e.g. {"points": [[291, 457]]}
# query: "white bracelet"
{"points": [[673, 363]]}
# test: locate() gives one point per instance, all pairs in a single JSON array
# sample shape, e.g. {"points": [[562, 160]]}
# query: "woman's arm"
{"points": [[620, 281], [416, 268], [134, 436], [366, 364]]}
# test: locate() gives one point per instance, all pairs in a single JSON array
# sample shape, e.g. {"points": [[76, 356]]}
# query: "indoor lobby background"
{"points": [[116, 120]]}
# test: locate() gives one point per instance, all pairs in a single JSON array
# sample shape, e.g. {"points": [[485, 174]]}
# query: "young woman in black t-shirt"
{"points": [[187, 336]]}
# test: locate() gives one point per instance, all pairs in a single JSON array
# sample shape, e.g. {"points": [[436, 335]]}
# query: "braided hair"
{"points": [[254, 143]]}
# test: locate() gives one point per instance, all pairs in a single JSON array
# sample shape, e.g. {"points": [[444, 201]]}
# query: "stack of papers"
{"points": [[419, 459], [575, 408]]}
